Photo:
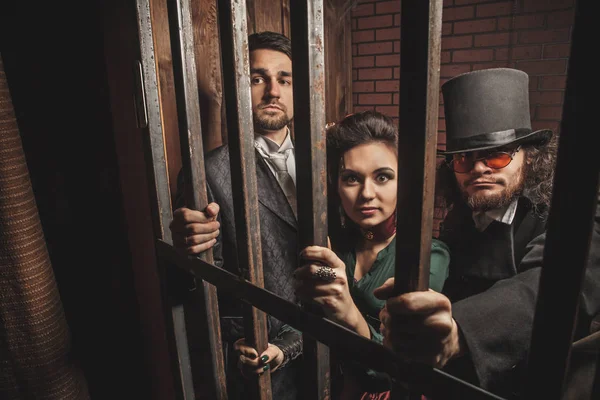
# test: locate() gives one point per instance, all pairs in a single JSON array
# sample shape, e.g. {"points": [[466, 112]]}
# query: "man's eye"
{"points": [[284, 82], [257, 80]]}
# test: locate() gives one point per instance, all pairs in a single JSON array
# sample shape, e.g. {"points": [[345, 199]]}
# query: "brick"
{"points": [[529, 21], [546, 97], [545, 5], [387, 7], [474, 26], [363, 10], [504, 24], [552, 125], [358, 108], [492, 39], [557, 50], [363, 62], [391, 60], [445, 57], [387, 86], [463, 2], [442, 138], [441, 124], [560, 19], [544, 36], [397, 46], [553, 113], [379, 21], [363, 36], [396, 98], [448, 3], [397, 19], [501, 54], [543, 67], [446, 28], [375, 48], [363, 86], [387, 34], [458, 13], [354, 74], [354, 50], [441, 112], [451, 70], [488, 65], [366, 74], [534, 83], [494, 9], [457, 42], [396, 72], [526, 52], [375, 98], [472, 55], [553, 82], [354, 24], [390, 111]]}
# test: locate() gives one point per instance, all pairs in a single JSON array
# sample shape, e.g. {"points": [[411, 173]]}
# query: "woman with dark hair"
{"points": [[362, 170]]}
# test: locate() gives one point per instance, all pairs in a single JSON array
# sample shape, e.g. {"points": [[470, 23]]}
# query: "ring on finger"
{"points": [[325, 273]]}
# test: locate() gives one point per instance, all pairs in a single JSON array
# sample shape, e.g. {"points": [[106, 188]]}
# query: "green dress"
{"points": [[382, 270]]}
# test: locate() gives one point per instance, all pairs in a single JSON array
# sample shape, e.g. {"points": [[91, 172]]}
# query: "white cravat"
{"points": [[280, 160]]}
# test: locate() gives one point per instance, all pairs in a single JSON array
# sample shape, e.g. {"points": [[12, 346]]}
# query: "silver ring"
{"points": [[326, 273]]}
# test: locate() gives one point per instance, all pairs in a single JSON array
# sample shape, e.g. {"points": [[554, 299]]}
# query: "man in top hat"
{"points": [[496, 182]]}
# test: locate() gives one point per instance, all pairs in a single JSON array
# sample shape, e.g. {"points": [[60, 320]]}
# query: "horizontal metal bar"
{"points": [[346, 344]]}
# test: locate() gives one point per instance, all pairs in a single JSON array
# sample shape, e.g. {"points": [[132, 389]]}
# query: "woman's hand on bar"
{"points": [[419, 326], [322, 279], [195, 231], [251, 363]]}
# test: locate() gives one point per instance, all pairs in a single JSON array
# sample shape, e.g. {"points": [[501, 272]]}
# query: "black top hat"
{"points": [[488, 108]]}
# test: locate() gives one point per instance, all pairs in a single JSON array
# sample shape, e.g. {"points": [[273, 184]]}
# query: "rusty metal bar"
{"points": [[421, 23], [346, 344], [190, 136], [420, 46], [240, 131], [572, 213], [308, 44], [149, 117]]}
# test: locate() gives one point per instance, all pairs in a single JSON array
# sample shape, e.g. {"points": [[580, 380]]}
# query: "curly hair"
{"points": [[540, 161]]}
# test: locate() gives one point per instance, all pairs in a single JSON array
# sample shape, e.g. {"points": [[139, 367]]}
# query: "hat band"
{"points": [[491, 139]]}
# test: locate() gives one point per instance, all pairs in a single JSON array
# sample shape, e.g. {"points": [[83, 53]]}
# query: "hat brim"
{"points": [[537, 137]]}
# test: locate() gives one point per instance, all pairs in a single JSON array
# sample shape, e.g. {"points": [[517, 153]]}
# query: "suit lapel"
{"points": [[270, 193]]}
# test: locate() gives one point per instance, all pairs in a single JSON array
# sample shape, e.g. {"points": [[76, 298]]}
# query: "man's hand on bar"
{"points": [[419, 326], [195, 231]]}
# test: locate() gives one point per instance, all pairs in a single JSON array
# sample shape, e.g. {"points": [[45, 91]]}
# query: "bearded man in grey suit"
{"points": [[196, 231]]}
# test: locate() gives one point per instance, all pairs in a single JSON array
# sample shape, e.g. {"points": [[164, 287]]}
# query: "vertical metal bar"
{"points": [[188, 112], [421, 29], [161, 195], [240, 130], [572, 213], [308, 64]]}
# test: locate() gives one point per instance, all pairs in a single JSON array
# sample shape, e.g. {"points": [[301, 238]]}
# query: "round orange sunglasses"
{"points": [[463, 163]]}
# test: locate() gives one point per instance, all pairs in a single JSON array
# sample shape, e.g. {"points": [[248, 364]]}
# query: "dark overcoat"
{"points": [[493, 285], [279, 244]]}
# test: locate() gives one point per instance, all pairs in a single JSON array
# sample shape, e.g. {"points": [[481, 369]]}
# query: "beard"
{"points": [[270, 122], [481, 201]]}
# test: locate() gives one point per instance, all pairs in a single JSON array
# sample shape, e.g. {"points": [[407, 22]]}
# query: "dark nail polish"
{"points": [[266, 367], [264, 358]]}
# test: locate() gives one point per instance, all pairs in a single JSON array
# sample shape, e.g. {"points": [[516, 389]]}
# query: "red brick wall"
{"points": [[530, 35]]}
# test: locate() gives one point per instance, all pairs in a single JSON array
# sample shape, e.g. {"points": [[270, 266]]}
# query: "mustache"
{"points": [[272, 103], [479, 180]]}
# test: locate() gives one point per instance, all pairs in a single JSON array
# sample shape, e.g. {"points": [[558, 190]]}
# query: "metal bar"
{"points": [[420, 38], [421, 23], [240, 131], [572, 213], [308, 63], [190, 136], [161, 196], [346, 344]]}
